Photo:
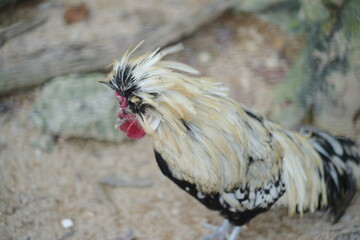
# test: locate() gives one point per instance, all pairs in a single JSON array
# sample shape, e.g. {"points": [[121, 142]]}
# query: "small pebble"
{"points": [[67, 223], [89, 214]]}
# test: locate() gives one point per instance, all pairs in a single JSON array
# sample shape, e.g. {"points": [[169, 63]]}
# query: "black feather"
{"points": [[341, 185], [212, 200], [124, 81]]}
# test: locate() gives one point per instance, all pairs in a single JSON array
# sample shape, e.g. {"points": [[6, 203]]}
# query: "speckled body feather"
{"points": [[223, 154]]}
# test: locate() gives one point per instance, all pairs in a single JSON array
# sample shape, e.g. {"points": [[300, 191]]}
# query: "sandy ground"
{"points": [[39, 189]]}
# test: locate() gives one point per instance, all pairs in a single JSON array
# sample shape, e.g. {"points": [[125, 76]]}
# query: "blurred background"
{"points": [[66, 173]]}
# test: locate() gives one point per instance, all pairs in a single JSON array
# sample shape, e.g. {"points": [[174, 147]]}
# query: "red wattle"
{"points": [[125, 126], [132, 130]]}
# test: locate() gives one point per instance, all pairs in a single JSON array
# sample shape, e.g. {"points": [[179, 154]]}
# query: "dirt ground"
{"points": [[39, 189]]}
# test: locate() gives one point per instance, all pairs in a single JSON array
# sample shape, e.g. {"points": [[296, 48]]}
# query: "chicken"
{"points": [[224, 155]]}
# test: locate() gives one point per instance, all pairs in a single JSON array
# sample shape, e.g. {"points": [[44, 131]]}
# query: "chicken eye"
{"points": [[135, 103]]}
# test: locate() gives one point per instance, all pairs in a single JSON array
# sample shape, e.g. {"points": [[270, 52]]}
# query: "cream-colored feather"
{"points": [[208, 139]]}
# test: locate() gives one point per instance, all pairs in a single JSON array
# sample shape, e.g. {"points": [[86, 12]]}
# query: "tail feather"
{"points": [[341, 163], [351, 150]]}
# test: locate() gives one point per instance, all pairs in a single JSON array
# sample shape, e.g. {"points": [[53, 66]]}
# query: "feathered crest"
{"points": [[131, 74]]}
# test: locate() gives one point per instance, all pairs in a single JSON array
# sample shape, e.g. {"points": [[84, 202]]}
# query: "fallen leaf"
{"points": [[76, 13]]}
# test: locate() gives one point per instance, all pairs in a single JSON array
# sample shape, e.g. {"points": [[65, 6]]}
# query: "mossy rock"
{"points": [[322, 88], [77, 106]]}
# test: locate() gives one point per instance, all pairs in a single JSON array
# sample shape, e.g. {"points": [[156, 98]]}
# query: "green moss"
{"points": [[332, 48], [77, 106]]}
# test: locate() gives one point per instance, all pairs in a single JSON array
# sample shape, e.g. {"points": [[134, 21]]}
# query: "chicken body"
{"points": [[220, 152]]}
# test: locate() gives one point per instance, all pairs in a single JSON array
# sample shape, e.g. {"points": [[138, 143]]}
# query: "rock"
{"points": [[322, 88], [37, 53], [256, 5], [44, 143], [4, 3], [349, 235], [314, 12], [77, 106], [67, 223], [282, 13], [285, 16]]}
